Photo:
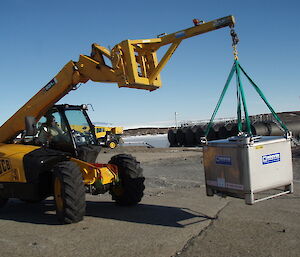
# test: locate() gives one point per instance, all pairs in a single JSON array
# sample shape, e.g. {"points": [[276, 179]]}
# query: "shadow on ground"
{"points": [[146, 214], [157, 215]]}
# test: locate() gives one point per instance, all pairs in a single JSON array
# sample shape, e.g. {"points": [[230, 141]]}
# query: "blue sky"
{"points": [[39, 37]]}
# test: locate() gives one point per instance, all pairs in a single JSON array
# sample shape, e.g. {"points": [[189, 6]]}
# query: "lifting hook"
{"points": [[235, 41]]}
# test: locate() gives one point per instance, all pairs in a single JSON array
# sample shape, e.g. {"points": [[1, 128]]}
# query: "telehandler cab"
{"points": [[42, 151]]}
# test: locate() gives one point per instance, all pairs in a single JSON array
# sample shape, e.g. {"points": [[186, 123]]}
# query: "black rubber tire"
{"points": [[70, 197], [172, 137], [3, 201], [130, 189], [180, 137], [199, 133], [189, 137]]}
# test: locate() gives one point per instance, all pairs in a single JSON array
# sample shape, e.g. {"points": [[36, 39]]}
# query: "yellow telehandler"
{"points": [[109, 136], [41, 152]]}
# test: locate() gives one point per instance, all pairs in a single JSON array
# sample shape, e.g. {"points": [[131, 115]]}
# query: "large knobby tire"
{"points": [[69, 192], [130, 189]]}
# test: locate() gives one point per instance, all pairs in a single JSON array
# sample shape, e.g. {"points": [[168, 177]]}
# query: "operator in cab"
{"points": [[50, 131]]}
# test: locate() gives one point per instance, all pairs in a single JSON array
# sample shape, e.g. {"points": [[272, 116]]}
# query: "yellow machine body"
{"points": [[102, 131], [134, 64], [12, 168], [11, 158]]}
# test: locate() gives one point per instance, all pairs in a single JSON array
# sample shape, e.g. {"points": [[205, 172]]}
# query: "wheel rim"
{"points": [[112, 145], [58, 194]]}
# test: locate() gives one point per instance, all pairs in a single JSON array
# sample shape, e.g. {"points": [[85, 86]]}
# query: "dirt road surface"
{"points": [[175, 218]]}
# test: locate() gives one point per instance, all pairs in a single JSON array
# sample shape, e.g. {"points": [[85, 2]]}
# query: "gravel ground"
{"points": [[175, 218], [268, 228]]}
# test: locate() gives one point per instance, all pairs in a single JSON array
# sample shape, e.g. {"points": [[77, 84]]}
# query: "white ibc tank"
{"points": [[242, 166]]}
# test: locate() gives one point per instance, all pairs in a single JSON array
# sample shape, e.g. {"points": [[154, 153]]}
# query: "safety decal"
{"points": [[50, 84], [220, 22]]}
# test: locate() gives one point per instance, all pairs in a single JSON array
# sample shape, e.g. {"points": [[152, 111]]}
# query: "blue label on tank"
{"points": [[270, 158], [223, 160]]}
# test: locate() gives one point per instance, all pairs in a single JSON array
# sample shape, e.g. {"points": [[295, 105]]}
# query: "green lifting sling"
{"points": [[241, 101]]}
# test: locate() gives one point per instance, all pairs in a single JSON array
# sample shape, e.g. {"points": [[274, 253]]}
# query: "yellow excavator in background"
{"points": [[43, 154]]}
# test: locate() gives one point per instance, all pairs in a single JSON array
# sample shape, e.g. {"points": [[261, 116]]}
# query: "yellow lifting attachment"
{"points": [[134, 63]]}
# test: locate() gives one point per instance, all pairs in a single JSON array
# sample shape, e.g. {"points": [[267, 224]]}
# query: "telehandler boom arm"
{"points": [[134, 64]]}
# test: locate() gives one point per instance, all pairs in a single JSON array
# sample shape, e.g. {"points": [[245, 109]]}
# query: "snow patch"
{"points": [[160, 141]]}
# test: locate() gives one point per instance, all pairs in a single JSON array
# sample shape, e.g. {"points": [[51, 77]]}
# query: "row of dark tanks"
{"points": [[191, 135]]}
